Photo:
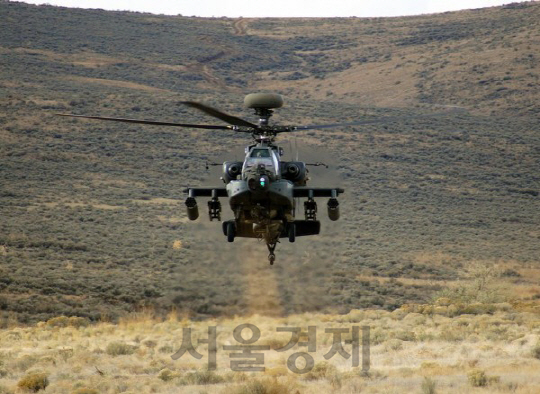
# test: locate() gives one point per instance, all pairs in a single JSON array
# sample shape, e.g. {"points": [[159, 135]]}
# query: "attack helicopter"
{"points": [[263, 189]]}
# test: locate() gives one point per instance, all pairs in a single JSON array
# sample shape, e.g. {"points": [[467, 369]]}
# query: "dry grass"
{"points": [[410, 351]]}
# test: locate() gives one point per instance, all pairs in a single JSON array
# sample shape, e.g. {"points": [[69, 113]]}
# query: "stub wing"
{"points": [[306, 192], [312, 192], [206, 192]]}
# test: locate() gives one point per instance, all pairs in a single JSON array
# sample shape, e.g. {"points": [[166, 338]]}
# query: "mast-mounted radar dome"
{"points": [[263, 100]]}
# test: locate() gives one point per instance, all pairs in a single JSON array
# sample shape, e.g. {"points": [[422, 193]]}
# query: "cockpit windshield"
{"points": [[260, 153], [261, 157]]}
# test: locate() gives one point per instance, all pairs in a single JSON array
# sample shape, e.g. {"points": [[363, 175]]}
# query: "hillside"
{"points": [[92, 215]]}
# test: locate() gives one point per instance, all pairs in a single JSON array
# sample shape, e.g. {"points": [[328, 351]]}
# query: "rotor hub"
{"points": [[264, 115]]}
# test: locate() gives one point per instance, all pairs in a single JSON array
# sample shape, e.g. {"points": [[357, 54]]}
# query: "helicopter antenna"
{"points": [[296, 146], [211, 163], [291, 149], [317, 164]]}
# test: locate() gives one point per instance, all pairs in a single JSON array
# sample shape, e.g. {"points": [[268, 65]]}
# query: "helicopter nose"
{"points": [[258, 183]]}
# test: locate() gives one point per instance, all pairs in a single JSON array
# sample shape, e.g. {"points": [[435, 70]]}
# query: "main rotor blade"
{"points": [[373, 121], [220, 115], [151, 122], [328, 126]]}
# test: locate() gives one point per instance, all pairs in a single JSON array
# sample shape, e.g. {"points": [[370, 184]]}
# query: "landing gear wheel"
{"points": [[292, 232], [231, 231]]}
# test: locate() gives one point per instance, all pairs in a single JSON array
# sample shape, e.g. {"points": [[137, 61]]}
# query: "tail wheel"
{"points": [[231, 231], [292, 232]]}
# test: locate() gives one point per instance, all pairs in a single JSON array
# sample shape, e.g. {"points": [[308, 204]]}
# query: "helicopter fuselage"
{"points": [[262, 192], [261, 197]]}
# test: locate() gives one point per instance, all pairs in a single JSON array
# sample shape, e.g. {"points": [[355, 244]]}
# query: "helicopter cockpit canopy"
{"points": [[265, 156], [258, 152]]}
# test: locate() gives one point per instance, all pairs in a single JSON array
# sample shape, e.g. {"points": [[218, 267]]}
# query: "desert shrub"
{"points": [[393, 344], [335, 381], [237, 377], [510, 386], [203, 377], [454, 335], [65, 354], [85, 390], [25, 362], [405, 335], [280, 370], [34, 382], [150, 344], [76, 321], [3, 370], [428, 385], [64, 321], [59, 321], [275, 343], [477, 378], [120, 349], [166, 375], [478, 309], [443, 301], [266, 386], [482, 287], [536, 351], [321, 370], [510, 273], [166, 349]]}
